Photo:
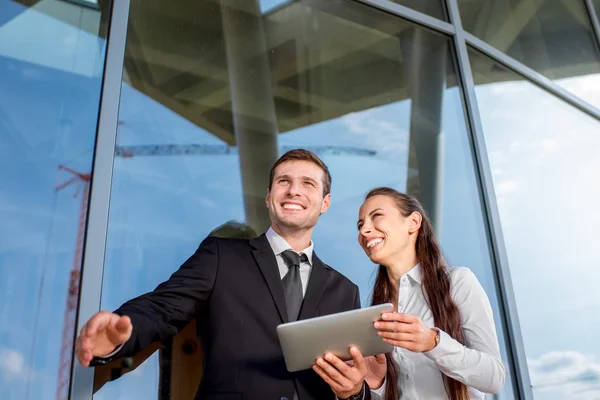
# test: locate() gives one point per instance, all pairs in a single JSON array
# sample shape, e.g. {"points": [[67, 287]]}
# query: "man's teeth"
{"points": [[292, 206], [373, 242]]}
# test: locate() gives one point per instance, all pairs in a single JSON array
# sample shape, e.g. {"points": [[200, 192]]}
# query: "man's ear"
{"points": [[415, 220], [268, 198], [326, 203]]}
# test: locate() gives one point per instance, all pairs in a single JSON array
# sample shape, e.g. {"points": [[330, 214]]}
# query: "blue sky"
{"points": [[542, 153]]}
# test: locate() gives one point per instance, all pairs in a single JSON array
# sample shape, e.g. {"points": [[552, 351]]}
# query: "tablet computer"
{"points": [[304, 341]]}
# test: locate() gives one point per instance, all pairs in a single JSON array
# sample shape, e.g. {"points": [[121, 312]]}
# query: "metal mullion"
{"points": [[589, 6], [490, 204], [82, 379], [411, 15]]}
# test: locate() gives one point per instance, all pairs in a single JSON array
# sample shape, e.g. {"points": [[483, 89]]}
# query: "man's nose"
{"points": [[293, 189]]}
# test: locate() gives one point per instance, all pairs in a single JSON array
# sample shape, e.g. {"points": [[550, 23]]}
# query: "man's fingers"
{"points": [[97, 322], [357, 357], [331, 370], [123, 324], [323, 374]]}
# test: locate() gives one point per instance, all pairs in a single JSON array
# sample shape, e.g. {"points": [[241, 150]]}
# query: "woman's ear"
{"points": [[414, 220]]}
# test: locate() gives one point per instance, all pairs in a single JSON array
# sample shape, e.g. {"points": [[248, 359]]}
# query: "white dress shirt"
{"points": [[477, 364], [279, 245]]}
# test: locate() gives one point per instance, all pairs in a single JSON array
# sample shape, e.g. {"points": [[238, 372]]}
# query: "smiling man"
{"points": [[239, 291]]}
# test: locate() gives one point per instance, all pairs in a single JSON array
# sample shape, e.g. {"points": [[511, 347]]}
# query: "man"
{"points": [[239, 291]]}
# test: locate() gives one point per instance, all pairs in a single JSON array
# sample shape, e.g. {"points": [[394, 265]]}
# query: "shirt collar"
{"points": [[279, 245], [415, 273]]}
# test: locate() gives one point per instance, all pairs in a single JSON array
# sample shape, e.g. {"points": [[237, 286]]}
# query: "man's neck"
{"points": [[298, 239]]}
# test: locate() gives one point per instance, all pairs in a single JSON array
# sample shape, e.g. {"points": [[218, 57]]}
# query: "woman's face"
{"points": [[383, 232]]}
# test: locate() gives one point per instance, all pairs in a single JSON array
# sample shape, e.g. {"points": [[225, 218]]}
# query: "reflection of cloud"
{"points": [[380, 128], [576, 374], [12, 365]]}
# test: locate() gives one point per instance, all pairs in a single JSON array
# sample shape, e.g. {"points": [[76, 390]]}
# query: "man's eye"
{"points": [[376, 215], [309, 184]]}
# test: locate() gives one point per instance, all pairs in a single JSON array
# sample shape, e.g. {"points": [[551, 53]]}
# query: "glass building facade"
{"points": [[130, 130]]}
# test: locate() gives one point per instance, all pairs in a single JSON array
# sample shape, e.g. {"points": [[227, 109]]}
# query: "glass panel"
{"points": [[435, 8], [544, 160], [51, 64], [553, 37], [210, 101]]}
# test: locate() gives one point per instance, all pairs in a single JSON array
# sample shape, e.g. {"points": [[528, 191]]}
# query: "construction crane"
{"points": [[82, 180], [222, 149]]}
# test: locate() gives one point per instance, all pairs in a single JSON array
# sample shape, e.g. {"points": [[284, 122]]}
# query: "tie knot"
{"points": [[292, 258]]}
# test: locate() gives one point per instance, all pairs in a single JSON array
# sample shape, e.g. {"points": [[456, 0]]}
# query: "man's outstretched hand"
{"points": [[101, 335]]}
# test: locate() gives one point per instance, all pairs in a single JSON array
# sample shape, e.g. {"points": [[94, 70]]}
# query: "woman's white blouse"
{"points": [[477, 364]]}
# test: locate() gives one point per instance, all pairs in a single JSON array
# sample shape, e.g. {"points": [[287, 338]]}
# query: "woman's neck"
{"points": [[400, 265]]}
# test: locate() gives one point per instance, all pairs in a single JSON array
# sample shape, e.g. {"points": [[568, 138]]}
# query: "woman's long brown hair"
{"points": [[436, 286]]}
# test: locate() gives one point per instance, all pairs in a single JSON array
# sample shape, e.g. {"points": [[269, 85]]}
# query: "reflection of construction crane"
{"points": [[219, 149], [66, 348]]}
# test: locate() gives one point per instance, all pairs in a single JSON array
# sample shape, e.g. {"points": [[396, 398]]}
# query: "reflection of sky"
{"points": [[545, 166], [48, 109]]}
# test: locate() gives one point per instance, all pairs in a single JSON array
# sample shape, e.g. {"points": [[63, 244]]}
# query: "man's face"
{"points": [[295, 199]]}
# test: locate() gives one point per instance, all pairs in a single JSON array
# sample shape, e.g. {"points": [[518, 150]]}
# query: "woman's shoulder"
{"points": [[464, 284], [458, 273]]}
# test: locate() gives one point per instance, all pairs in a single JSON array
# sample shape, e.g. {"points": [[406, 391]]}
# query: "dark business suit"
{"points": [[233, 288]]}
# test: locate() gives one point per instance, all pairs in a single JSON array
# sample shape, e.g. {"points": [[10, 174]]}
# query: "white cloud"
{"points": [[574, 374], [12, 365], [385, 135]]}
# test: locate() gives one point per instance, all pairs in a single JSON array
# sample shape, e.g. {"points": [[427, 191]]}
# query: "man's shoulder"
{"points": [[227, 242], [338, 275]]}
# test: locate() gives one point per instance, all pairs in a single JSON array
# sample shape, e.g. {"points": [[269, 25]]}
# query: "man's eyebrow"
{"points": [[308, 178]]}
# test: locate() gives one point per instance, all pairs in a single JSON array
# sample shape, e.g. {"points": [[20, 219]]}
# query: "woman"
{"points": [[442, 328]]}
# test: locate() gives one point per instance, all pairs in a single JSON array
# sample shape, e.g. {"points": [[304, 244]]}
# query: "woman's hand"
{"points": [[407, 331], [376, 370]]}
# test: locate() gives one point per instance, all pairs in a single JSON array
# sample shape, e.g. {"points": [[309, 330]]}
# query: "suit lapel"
{"points": [[314, 291], [265, 258]]}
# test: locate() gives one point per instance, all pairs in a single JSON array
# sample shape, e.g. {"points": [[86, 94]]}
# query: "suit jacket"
{"points": [[233, 288]]}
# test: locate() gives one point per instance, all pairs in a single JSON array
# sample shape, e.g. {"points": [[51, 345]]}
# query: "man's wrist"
{"points": [[359, 395]]}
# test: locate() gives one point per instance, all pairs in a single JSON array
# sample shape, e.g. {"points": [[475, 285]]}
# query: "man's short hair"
{"points": [[303, 155]]}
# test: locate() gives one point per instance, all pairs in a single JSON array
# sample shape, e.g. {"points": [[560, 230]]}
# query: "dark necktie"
{"points": [[292, 285]]}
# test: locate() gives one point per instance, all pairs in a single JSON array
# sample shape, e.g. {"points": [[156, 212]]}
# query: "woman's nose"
{"points": [[365, 230]]}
